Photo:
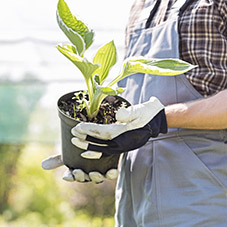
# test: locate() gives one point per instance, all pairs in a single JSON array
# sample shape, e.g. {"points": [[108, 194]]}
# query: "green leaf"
{"points": [[73, 36], [108, 91], [95, 102], [119, 90], [74, 29], [70, 48], [87, 68], [161, 67], [111, 91], [96, 79], [106, 57]]}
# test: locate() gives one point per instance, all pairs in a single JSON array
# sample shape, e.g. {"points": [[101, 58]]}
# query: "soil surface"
{"points": [[106, 114]]}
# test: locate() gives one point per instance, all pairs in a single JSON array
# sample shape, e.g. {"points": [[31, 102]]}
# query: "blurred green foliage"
{"points": [[7, 169], [41, 198], [18, 101], [29, 195]]}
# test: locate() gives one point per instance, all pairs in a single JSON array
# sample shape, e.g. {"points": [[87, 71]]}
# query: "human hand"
{"points": [[78, 174], [135, 125]]}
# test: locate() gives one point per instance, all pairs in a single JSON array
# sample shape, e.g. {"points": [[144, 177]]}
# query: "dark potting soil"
{"points": [[106, 114]]}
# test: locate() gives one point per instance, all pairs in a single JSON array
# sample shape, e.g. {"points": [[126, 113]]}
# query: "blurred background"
{"points": [[33, 75]]}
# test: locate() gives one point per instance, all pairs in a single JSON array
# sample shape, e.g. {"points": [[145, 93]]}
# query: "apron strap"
{"points": [[157, 4], [152, 13], [185, 6]]}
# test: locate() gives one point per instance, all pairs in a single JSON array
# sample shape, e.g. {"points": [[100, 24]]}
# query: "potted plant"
{"points": [[99, 102]]}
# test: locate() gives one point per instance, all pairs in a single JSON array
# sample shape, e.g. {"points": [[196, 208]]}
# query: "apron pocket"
{"points": [[186, 189], [210, 157]]}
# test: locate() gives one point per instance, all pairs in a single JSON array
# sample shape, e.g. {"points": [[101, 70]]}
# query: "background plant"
{"points": [[96, 71], [40, 198]]}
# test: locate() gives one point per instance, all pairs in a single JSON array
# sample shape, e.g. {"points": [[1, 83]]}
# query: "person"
{"points": [[174, 136]]}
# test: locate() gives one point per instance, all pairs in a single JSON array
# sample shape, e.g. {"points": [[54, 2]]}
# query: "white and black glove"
{"points": [[78, 174], [134, 126]]}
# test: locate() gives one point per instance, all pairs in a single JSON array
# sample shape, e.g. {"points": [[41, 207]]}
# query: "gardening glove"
{"points": [[134, 126], [78, 174]]}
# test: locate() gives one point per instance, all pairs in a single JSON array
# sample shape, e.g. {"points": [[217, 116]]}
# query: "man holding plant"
{"points": [[174, 136]]}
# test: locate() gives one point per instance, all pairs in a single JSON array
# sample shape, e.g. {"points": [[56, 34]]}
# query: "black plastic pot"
{"points": [[71, 154]]}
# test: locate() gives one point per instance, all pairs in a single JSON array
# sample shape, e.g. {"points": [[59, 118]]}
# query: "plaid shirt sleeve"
{"points": [[203, 40]]}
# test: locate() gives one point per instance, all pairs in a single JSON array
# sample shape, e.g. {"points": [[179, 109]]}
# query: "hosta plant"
{"points": [[96, 71]]}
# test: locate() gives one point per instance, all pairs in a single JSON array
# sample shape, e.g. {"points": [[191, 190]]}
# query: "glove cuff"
{"points": [[158, 124], [164, 127]]}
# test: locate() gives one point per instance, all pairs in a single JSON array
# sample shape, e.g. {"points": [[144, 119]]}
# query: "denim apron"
{"points": [[180, 178]]}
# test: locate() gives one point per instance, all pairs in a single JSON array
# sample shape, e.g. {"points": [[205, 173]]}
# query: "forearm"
{"points": [[208, 113]]}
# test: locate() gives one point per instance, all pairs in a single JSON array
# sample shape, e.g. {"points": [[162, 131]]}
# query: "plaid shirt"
{"points": [[203, 39]]}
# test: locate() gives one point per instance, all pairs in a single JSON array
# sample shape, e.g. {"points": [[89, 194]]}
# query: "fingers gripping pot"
{"points": [[71, 154]]}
